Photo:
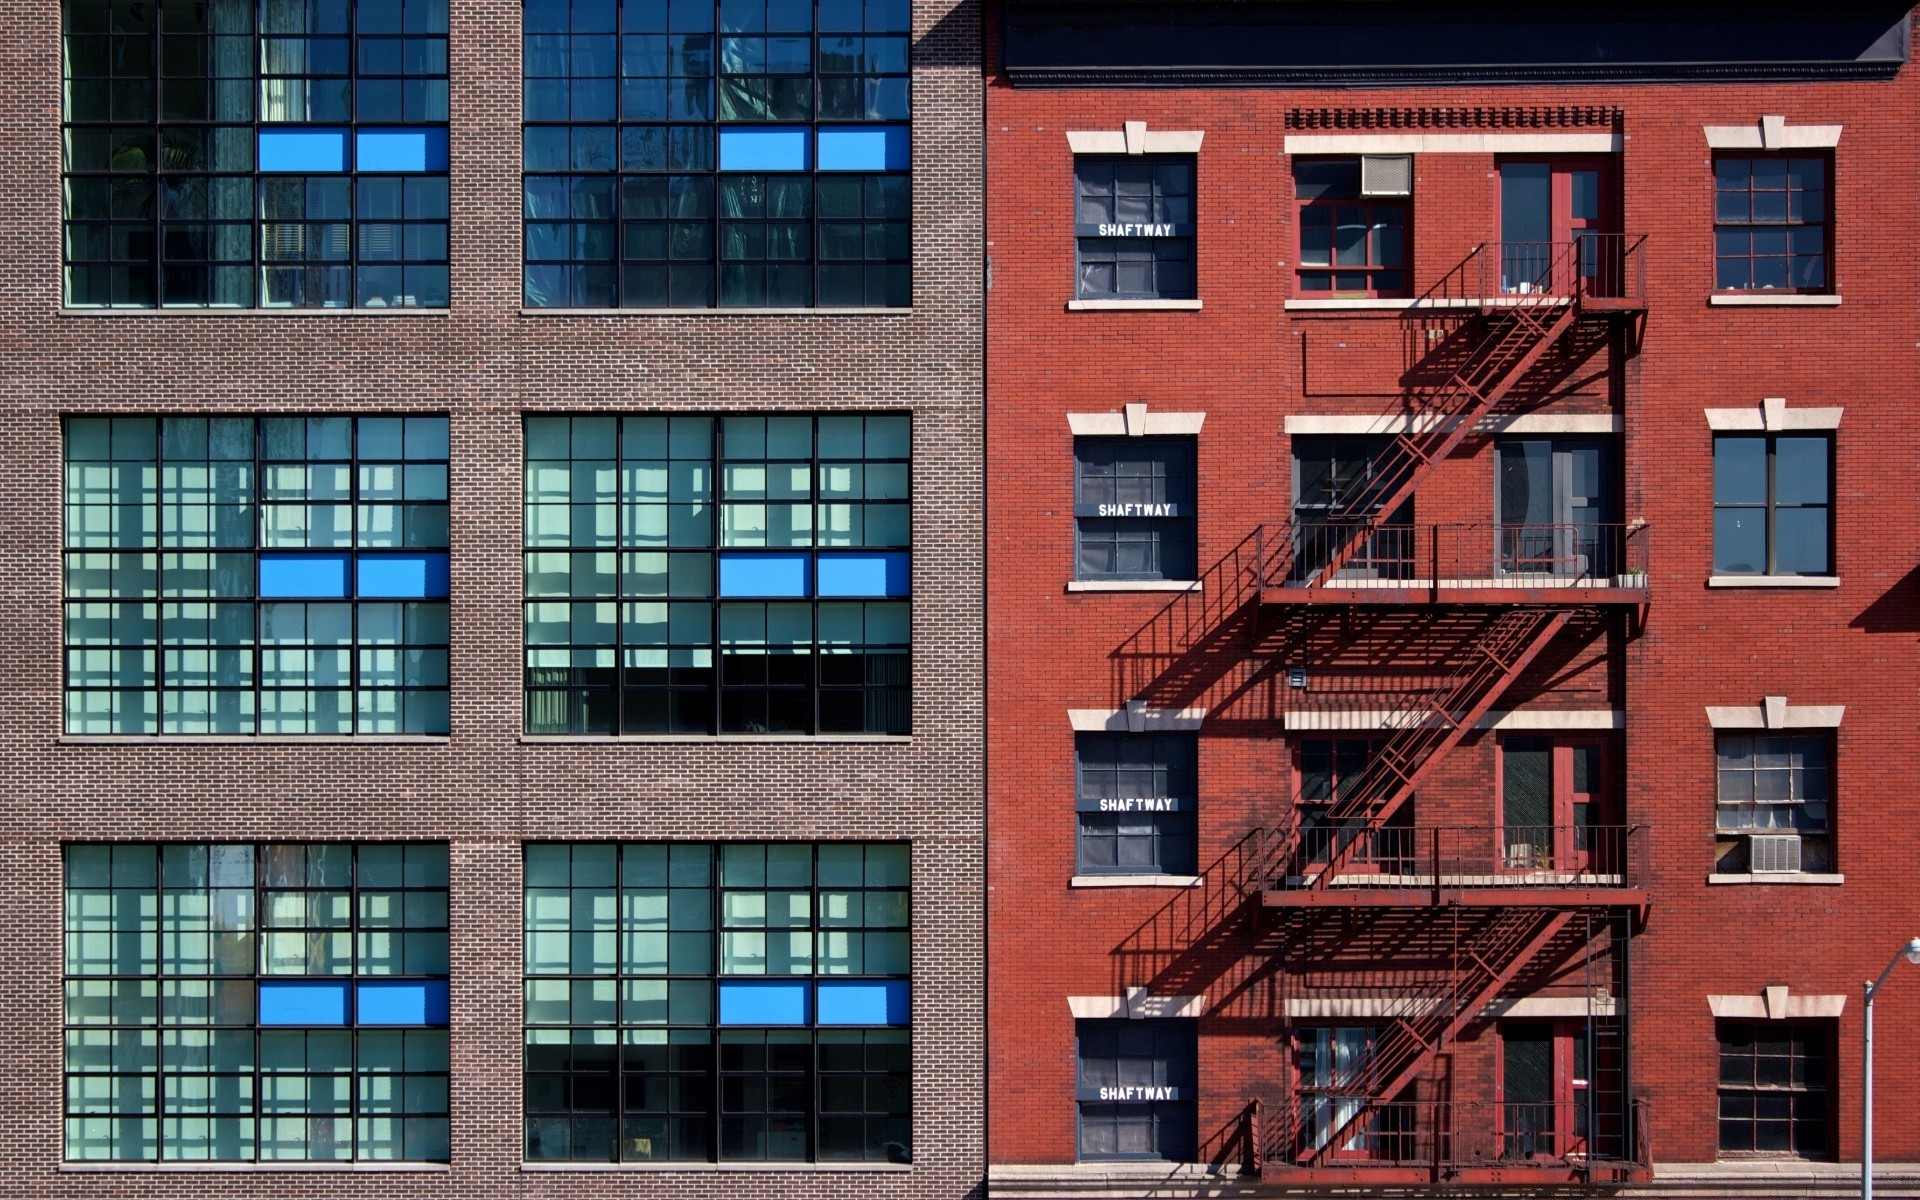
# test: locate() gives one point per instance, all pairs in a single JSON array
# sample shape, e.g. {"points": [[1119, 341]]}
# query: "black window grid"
{"points": [[1778, 498], [1136, 1053], [1772, 222], [1137, 766], [1775, 1089], [210, 1059], [1153, 190], [165, 205], [1127, 470], [245, 634]]}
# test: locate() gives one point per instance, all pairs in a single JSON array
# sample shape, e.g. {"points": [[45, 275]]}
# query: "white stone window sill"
{"points": [[174, 741], [1806, 878], [175, 1168], [1773, 581], [723, 1168], [705, 739], [1765, 299], [1133, 585], [1349, 304], [276, 313], [1133, 306], [1147, 881], [716, 312]]}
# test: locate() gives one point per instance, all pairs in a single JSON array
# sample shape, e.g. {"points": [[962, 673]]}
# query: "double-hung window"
{"points": [[1354, 215], [256, 575], [1137, 1088], [1133, 227], [256, 153], [1771, 223], [1773, 504], [1775, 799], [695, 574], [1134, 507], [1775, 1089], [717, 153], [1137, 800]]}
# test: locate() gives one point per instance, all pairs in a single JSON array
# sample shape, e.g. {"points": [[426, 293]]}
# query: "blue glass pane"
{"points": [[303, 1003], [777, 149], [303, 151], [865, 574], [763, 1002], [404, 576], [764, 575], [303, 576], [869, 148], [402, 1002], [865, 1002], [400, 150]]}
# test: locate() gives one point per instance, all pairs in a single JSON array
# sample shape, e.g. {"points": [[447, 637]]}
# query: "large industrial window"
{"points": [[1134, 509], [1137, 799], [1775, 1080], [1773, 505], [242, 1003], [1770, 227], [269, 575], [717, 574], [1354, 214], [1138, 1087], [1134, 228], [740, 1002], [1775, 800], [717, 153], [256, 153]]}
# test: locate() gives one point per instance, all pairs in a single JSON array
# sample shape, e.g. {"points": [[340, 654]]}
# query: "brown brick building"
{"points": [[297, 290], [1450, 615]]}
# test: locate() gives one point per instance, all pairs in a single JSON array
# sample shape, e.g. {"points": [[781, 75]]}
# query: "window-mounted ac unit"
{"points": [[1386, 175], [1774, 853]]}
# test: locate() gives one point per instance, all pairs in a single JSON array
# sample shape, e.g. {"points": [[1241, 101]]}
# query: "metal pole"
{"points": [[1866, 1094]]}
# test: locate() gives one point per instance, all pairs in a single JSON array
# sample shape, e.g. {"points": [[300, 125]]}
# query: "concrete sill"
{"points": [[1133, 306], [708, 739], [278, 314], [1133, 585], [1122, 881], [1349, 304], [716, 312], [1768, 300], [1805, 879], [725, 1168], [174, 741], [246, 1168], [1773, 581]]}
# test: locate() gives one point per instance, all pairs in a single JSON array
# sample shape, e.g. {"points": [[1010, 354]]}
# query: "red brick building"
{"points": [[1450, 615]]}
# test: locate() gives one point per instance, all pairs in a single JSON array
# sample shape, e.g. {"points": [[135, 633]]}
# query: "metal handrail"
{"points": [[1574, 1135], [1476, 554], [1452, 857]]}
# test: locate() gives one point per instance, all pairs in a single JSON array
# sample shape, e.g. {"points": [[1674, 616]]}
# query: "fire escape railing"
{"points": [[1453, 857], [1462, 554]]}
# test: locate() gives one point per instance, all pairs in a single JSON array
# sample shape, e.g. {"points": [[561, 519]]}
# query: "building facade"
{"points": [[494, 682], [1450, 673]]}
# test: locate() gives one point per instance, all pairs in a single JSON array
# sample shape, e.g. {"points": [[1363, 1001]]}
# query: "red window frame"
{"points": [[1379, 277]]}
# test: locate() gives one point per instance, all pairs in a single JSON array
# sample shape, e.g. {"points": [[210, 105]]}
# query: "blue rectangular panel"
{"points": [[304, 151], [763, 1002], [866, 148], [747, 148], [303, 576], [866, 1002], [403, 576], [764, 576], [303, 1003], [400, 150], [874, 574], [401, 1002]]}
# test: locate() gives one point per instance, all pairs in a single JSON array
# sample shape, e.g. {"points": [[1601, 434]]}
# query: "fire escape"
{"points": [[1485, 909]]}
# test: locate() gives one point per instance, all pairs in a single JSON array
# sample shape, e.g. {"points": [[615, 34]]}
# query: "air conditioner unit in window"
{"points": [[1386, 175], [1774, 853]]}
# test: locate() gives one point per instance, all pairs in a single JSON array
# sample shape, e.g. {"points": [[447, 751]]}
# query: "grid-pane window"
{"points": [[1773, 505], [739, 1002], [243, 575], [256, 1003], [1351, 243], [1770, 223], [1775, 1078], [1779, 789], [255, 153], [1134, 507], [1329, 803], [717, 153], [1133, 226], [696, 574], [1137, 799], [1137, 1088]]}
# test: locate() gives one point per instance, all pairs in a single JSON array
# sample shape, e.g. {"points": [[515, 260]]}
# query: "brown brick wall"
{"points": [[485, 790]]}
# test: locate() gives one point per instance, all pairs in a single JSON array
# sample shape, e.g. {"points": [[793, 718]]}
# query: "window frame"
{"points": [[1826, 159], [1180, 788], [1770, 441], [1306, 213], [1163, 1116], [1818, 840], [1171, 455], [1088, 236], [1806, 1041]]}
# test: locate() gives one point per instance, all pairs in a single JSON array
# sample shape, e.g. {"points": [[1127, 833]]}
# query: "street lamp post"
{"points": [[1910, 952]]}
